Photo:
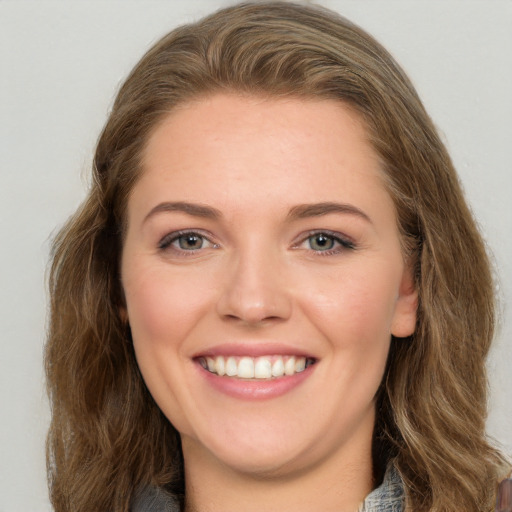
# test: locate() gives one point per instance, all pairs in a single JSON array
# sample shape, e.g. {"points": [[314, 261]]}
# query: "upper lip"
{"points": [[255, 349]]}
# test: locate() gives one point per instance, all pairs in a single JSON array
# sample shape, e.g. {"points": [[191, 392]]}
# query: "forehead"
{"points": [[261, 151]]}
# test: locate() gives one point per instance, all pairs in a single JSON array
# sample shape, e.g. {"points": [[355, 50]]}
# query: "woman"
{"points": [[274, 296]]}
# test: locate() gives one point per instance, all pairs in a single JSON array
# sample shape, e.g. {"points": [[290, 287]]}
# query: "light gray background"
{"points": [[61, 63]]}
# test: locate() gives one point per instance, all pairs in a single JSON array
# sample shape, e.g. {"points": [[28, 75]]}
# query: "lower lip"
{"points": [[255, 389]]}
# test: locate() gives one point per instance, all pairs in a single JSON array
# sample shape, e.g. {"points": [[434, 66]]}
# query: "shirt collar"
{"points": [[389, 496]]}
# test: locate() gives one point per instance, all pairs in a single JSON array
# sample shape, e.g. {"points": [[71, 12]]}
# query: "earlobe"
{"points": [[405, 315]]}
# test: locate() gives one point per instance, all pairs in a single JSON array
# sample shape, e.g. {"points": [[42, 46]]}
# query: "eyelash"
{"points": [[342, 242], [167, 241]]}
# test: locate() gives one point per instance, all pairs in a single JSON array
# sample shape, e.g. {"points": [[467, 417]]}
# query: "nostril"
{"points": [[253, 318], [254, 302]]}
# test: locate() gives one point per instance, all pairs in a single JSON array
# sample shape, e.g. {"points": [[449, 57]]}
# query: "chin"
{"points": [[265, 466], [277, 455]]}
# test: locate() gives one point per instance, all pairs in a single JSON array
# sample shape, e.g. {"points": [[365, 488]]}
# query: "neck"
{"points": [[335, 484]]}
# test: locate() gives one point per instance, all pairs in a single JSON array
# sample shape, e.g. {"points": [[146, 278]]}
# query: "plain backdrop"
{"points": [[60, 65]]}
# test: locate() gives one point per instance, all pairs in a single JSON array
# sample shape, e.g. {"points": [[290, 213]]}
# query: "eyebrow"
{"points": [[303, 211], [194, 209]]}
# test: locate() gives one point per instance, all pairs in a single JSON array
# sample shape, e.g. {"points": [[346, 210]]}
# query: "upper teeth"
{"points": [[264, 367]]}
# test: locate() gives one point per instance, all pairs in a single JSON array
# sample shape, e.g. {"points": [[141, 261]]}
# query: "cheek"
{"points": [[162, 311], [354, 305], [162, 307]]}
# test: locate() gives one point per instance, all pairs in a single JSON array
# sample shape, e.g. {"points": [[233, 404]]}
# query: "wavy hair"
{"points": [[107, 436]]}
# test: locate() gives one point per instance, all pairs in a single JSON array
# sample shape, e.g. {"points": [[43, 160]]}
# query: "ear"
{"points": [[404, 317]]}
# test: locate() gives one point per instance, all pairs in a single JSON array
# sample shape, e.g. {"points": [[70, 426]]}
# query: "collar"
{"points": [[389, 496]]}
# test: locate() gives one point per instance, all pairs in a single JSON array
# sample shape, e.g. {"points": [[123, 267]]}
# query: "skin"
{"points": [[258, 277]]}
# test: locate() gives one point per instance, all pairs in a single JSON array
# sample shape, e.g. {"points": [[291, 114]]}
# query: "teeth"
{"points": [[210, 364], [246, 368], [220, 367], [278, 367], [231, 367], [289, 366], [265, 367]]}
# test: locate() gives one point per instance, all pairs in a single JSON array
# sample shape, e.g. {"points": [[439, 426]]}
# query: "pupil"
{"points": [[190, 242]]}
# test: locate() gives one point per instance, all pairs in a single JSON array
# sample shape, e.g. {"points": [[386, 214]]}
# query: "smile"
{"points": [[263, 367]]}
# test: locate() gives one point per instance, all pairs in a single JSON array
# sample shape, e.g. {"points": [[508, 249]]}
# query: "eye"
{"points": [[326, 243], [321, 242], [188, 241]]}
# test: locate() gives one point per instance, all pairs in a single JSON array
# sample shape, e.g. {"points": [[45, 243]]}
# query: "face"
{"points": [[264, 278]]}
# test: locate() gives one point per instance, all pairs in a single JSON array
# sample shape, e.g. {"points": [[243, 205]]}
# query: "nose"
{"points": [[255, 291]]}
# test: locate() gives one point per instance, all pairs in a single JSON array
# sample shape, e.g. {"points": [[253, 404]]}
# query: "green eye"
{"points": [[190, 242], [185, 243], [321, 242]]}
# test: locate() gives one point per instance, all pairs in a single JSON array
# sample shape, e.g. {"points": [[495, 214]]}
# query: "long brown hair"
{"points": [[107, 437]]}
